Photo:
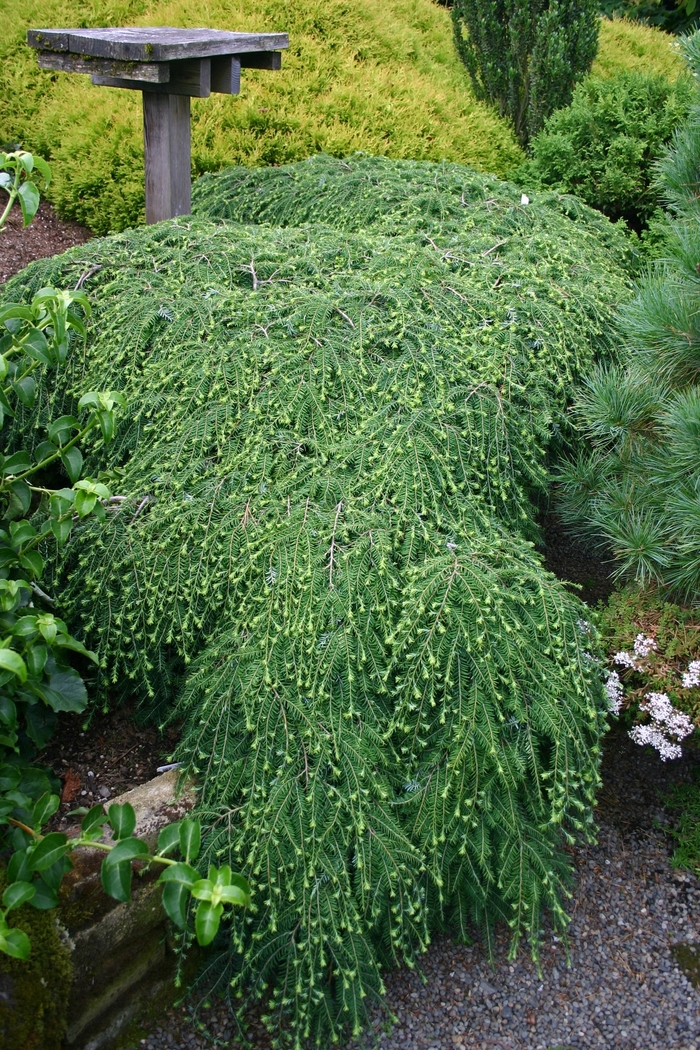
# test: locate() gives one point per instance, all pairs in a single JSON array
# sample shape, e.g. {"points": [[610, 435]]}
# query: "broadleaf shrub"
{"points": [[604, 146], [636, 488], [336, 445]]}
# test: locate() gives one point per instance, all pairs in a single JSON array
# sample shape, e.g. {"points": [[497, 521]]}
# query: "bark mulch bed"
{"points": [[47, 235]]}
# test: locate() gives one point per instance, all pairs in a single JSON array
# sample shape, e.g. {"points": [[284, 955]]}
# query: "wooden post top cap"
{"points": [[157, 44]]}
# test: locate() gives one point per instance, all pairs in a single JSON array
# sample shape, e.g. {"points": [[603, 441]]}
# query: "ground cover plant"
{"points": [[379, 77], [604, 146], [635, 490], [335, 446], [652, 646]]}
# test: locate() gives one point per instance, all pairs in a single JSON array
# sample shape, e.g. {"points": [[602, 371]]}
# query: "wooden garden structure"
{"points": [[169, 66]]}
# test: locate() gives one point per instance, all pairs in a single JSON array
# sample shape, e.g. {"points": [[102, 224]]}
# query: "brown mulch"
{"points": [[47, 235]]}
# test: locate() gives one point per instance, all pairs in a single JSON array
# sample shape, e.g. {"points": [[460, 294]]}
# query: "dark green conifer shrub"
{"points": [[637, 488], [526, 56], [604, 146], [336, 442]]}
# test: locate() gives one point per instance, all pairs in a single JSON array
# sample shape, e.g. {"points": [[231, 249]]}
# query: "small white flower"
{"points": [[643, 646], [651, 734], [625, 660], [665, 720], [583, 626], [614, 689], [692, 676]]}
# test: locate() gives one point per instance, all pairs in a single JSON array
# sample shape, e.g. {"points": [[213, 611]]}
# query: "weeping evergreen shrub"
{"points": [[336, 442], [637, 488]]}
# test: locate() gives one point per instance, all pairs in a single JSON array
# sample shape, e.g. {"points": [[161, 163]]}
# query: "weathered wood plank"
{"points": [[260, 60], [226, 74], [157, 44], [191, 77], [48, 39], [154, 72], [166, 135]]}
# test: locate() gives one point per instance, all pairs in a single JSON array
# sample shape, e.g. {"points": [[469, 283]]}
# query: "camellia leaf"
{"points": [[175, 896], [28, 201], [60, 430], [70, 689], [15, 943], [44, 809], [18, 868], [12, 661], [45, 898], [127, 849], [25, 389], [36, 659], [72, 460], [116, 878], [61, 530], [94, 818], [35, 345], [182, 873], [168, 838]]}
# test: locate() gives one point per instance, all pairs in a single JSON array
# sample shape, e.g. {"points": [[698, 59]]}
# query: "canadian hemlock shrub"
{"points": [[341, 401]]}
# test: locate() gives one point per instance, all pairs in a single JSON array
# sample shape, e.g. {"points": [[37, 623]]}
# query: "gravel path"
{"points": [[623, 989]]}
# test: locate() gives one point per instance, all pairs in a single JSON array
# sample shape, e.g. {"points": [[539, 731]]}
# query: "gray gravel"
{"points": [[621, 987]]}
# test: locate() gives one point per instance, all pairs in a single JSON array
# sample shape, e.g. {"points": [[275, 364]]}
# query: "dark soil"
{"points": [[47, 235], [102, 759], [585, 572]]}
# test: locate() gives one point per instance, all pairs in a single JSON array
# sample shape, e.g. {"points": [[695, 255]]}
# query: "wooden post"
{"points": [[166, 136]]}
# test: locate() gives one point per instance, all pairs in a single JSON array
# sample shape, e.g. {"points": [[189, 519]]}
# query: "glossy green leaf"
{"points": [[17, 894], [15, 943], [190, 838], [122, 820], [168, 838], [25, 389], [94, 818], [73, 462], [61, 429], [48, 851], [127, 849], [207, 921], [28, 201], [116, 878], [182, 873], [12, 661], [175, 897], [44, 809]]}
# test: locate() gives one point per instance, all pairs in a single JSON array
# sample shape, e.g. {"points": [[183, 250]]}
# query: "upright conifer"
{"points": [[526, 55]]}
